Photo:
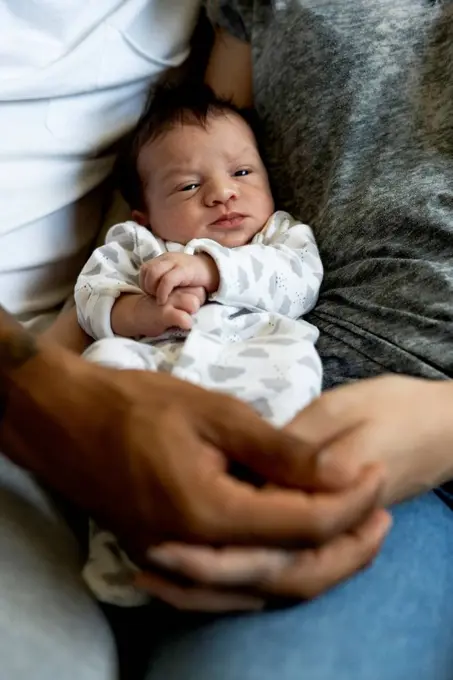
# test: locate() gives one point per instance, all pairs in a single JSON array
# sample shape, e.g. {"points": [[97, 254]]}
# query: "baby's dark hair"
{"points": [[170, 105]]}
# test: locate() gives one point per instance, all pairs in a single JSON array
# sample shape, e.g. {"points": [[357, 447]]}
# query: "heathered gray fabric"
{"points": [[356, 101]]}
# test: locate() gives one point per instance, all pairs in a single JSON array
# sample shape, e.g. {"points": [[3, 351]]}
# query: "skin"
{"points": [[387, 421], [193, 177], [83, 420], [376, 420], [383, 421]]}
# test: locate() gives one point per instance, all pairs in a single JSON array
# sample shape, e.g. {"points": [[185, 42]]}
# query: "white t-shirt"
{"points": [[73, 78]]}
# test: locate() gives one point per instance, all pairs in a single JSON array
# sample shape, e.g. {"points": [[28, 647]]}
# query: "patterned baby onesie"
{"points": [[248, 340]]}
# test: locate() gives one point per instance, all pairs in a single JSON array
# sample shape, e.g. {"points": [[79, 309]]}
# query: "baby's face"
{"points": [[205, 183]]}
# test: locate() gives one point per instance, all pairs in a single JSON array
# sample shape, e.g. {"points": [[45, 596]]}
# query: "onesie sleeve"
{"points": [[281, 271], [113, 269]]}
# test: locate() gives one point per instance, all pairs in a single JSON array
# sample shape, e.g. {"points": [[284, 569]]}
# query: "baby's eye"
{"points": [[190, 187], [242, 173]]}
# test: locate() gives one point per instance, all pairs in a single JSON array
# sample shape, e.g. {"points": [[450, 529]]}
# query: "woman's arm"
{"points": [[229, 71]]}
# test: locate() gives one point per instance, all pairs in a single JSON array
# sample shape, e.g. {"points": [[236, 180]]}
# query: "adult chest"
{"points": [[356, 104]]}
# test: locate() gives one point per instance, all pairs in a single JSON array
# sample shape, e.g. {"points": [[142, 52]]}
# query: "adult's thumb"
{"points": [[275, 455]]}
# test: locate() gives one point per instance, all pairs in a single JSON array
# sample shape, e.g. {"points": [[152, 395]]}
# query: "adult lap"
{"points": [[390, 621]]}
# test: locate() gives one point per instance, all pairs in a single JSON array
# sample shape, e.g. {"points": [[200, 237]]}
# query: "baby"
{"points": [[207, 282]]}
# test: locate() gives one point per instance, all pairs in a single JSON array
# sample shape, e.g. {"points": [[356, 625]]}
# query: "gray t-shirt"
{"points": [[356, 102]]}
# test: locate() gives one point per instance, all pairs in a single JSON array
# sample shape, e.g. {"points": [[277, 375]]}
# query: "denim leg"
{"points": [[393, 621]]}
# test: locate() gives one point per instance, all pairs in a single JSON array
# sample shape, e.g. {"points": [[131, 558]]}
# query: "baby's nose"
{"points": [[221, 191]]}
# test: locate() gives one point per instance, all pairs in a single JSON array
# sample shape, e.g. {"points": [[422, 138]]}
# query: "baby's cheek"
{"points": [[180, 225], [267, 206]]}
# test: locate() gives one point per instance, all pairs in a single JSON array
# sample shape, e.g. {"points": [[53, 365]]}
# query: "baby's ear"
{"points": [[140, 217]]}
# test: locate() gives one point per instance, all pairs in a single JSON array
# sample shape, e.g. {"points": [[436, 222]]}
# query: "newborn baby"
{"points": [[207, 282]]}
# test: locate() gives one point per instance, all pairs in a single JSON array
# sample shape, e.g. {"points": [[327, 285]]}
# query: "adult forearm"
{"points": [[17, 346], [66, 332], [39, 388]]}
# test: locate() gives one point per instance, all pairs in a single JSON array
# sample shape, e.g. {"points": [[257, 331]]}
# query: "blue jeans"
{"points": [[393, 621]]}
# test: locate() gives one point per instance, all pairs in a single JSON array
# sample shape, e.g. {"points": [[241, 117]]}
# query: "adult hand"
{"points": [[405, 424], [236, 578], [147, 455], [402, 423]]}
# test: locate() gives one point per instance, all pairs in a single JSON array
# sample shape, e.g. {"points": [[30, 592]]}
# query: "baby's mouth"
{"points": [[229, 221]]}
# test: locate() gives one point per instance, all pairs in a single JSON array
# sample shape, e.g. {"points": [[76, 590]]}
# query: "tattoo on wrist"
{"points": [[17, 346]]}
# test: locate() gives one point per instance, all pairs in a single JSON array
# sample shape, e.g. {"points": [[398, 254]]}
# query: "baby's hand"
{"points": [[181, 305], [140, 315], [159, 277]]}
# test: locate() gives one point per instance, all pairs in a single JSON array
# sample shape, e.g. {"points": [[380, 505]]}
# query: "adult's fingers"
{"points": [[197, 598], [314, 571], [299, 575], [242, 514], [245, 438], [226, 567]]}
